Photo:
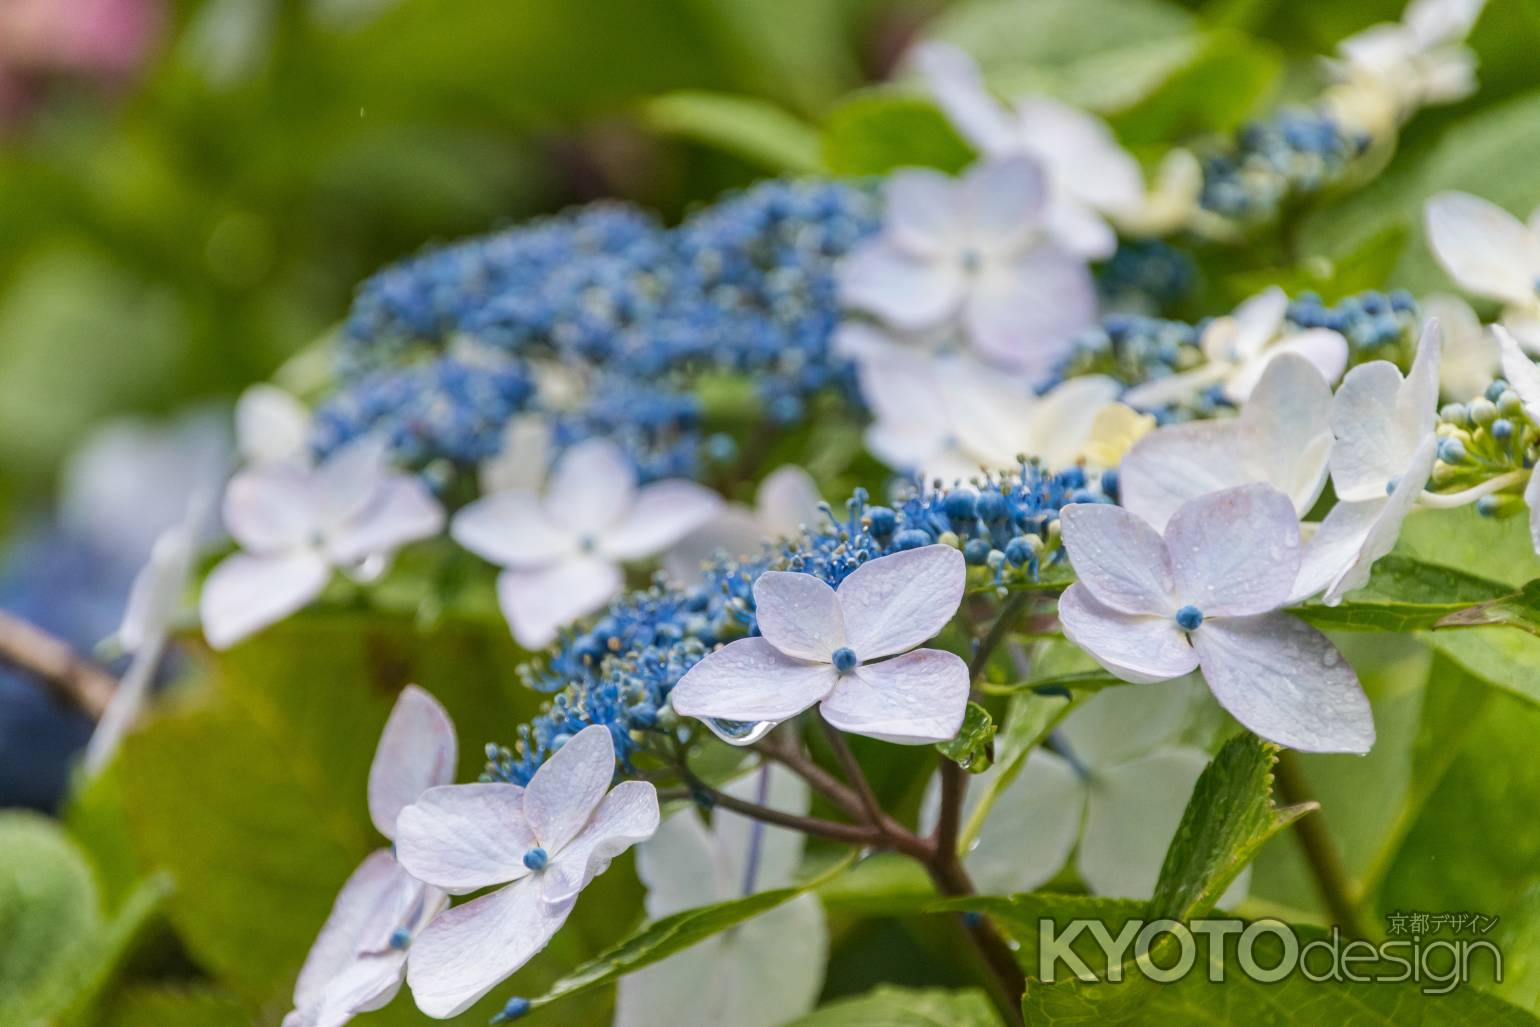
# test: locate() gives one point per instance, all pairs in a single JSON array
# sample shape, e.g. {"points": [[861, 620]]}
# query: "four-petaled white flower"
{"points": [[1491, 254], [272, 427], [848, 650], [1390, 70], [974, 252], [950, 417], [544, 843], [561, 552], [1383, 456], [1282, 438], [1524, 378], [359, 958], [1206, 596], [295, 524], [1091, 176], [764, 972], [1238, 349], [786, 499]]}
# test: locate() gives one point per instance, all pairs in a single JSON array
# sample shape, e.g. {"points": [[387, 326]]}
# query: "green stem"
{"points": [[1320, 851]]}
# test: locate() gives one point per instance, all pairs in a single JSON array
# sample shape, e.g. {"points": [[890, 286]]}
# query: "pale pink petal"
{"points": [[1284, 680], [787, 499], [959, 89], [1000, 203], [401, 511], [271, 426], [1087, 161], [568, 787], [1382, 533], [1179, 462], [511, 529], [464, 837], [467, 951], [1520, 372], [1024, 312], [663, 513], [1119, 558], [913, 699], [268, 510], [627, 815], [920, 211], [1485, 249], [750, 680], [1286, 426], [345, 484], [1323, 349], [1135, 647], [417, 751], [682, 866], [1032, 827], [1079, 229], [539, 603], [245, 594], [896, 602], [799, 615], [1335, 546], [909, 293], [592, 486], [1370, 451], [1235, 552]]}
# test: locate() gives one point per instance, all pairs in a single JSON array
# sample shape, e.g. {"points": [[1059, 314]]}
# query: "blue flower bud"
{"points": [[960, 505], [883, 521], [1451, 451], [990, 507], [912, 538], [1019, 552], [1502, 429], [977, 551], [515, 1008]]}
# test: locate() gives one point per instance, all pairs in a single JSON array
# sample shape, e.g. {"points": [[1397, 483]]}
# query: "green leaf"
{"points": [[889, 1006], [662, 938], [973, 748], [1019, 917], [1404, 594], [873, 133], [1230, 815], [1519, 610], [748, 127], [1216, 90], [175, 1006]]}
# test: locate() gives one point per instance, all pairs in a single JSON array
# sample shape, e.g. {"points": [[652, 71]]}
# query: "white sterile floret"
{"points": [[272, 427], [359, 958], [543, 843], [847, 650], [561, 551], [1384, 454], [786, 499], [1492, 254], [1471, 357], [1390, 70], [765, 971], [296, 524], [1206, 596], [1282, 438], [1238, 349], [974, 253]]}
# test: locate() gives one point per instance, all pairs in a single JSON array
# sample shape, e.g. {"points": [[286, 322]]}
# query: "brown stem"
{"points": [[77, 681], [852, 834], [820, 780], [1325, 862], [1009, 984], [870, 807]]}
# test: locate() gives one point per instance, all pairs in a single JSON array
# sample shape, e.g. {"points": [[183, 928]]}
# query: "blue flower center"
{"points": [[588, 544], [400, 938], [1189, 617], [972, 260], [536, 859], [1390, 486], [844, 659]]}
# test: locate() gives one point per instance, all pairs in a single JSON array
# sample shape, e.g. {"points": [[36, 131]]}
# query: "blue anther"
{"points": [[1189, 617], [845, 660], [536, 859]]}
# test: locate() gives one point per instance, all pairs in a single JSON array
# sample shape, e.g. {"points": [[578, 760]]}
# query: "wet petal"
{"points": [[245, 594], [464, 837], [1386, 526], [1119, 558], [1370, 450], [751, 680], [896, 602], [569, 786], [1521, 373], [912, 699], [1235, 552], [417, 751], [799, 614], [627, 815], [1180, 462], [1135, 647]]}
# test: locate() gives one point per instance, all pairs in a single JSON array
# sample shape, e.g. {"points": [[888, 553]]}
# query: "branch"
{"points": [[76, 681], [871, 808]]}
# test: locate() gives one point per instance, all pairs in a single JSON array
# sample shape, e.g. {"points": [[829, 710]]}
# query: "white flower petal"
{"points": [[1176, 388], [1031, 828], [779, 849], [511, 529], [627, 815], [1521, 373], [750, 680], [1119, 558], [271, 427], [787, 499], [464, 837], [1132, 812], [245, 594], [1381, 536], [1323, 349], [1286, 425], [1335, 546], [467, 951], [999, 202], [1370, 451], [959, 88], [1484, 248], [913, 699], [157, 589], [345, 485], [1471, 353], [401, 511], [1179, 462], [799, 614], [1085, 157], [682, 866], [521, 463], [268, 510], [1417, 401], [920, 211], [1236, 552], [1135, 647], [1024, 312], [591, 487], [664, 513], [907, 292], [895, 602], [569, 786], [1532, 500], [1256, 322], [1116, 725], [417, 751], [1284, 680], [735, 531], [539, 603]]}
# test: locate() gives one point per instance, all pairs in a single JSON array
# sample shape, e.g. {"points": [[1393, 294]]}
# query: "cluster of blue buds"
{"points": [[1134, 348], [634, 310], [1294, 153], [619, 669], [1377, 325], [1488, 437], [1146, 276]]}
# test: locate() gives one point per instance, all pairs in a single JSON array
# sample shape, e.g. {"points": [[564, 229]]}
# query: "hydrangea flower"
{"points": [[1384, 454], [297, 524], [1492, 254], [561, 552], [950, 417], [1394, 68], [272, 427], [1091, 175], [819, 645], [544, 843], [1206, 596], [786, 499], [1471, 356], [1282, 437], [764, 972], [359, 958], [1524, 378], [976, 252], [1239, 348]]}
